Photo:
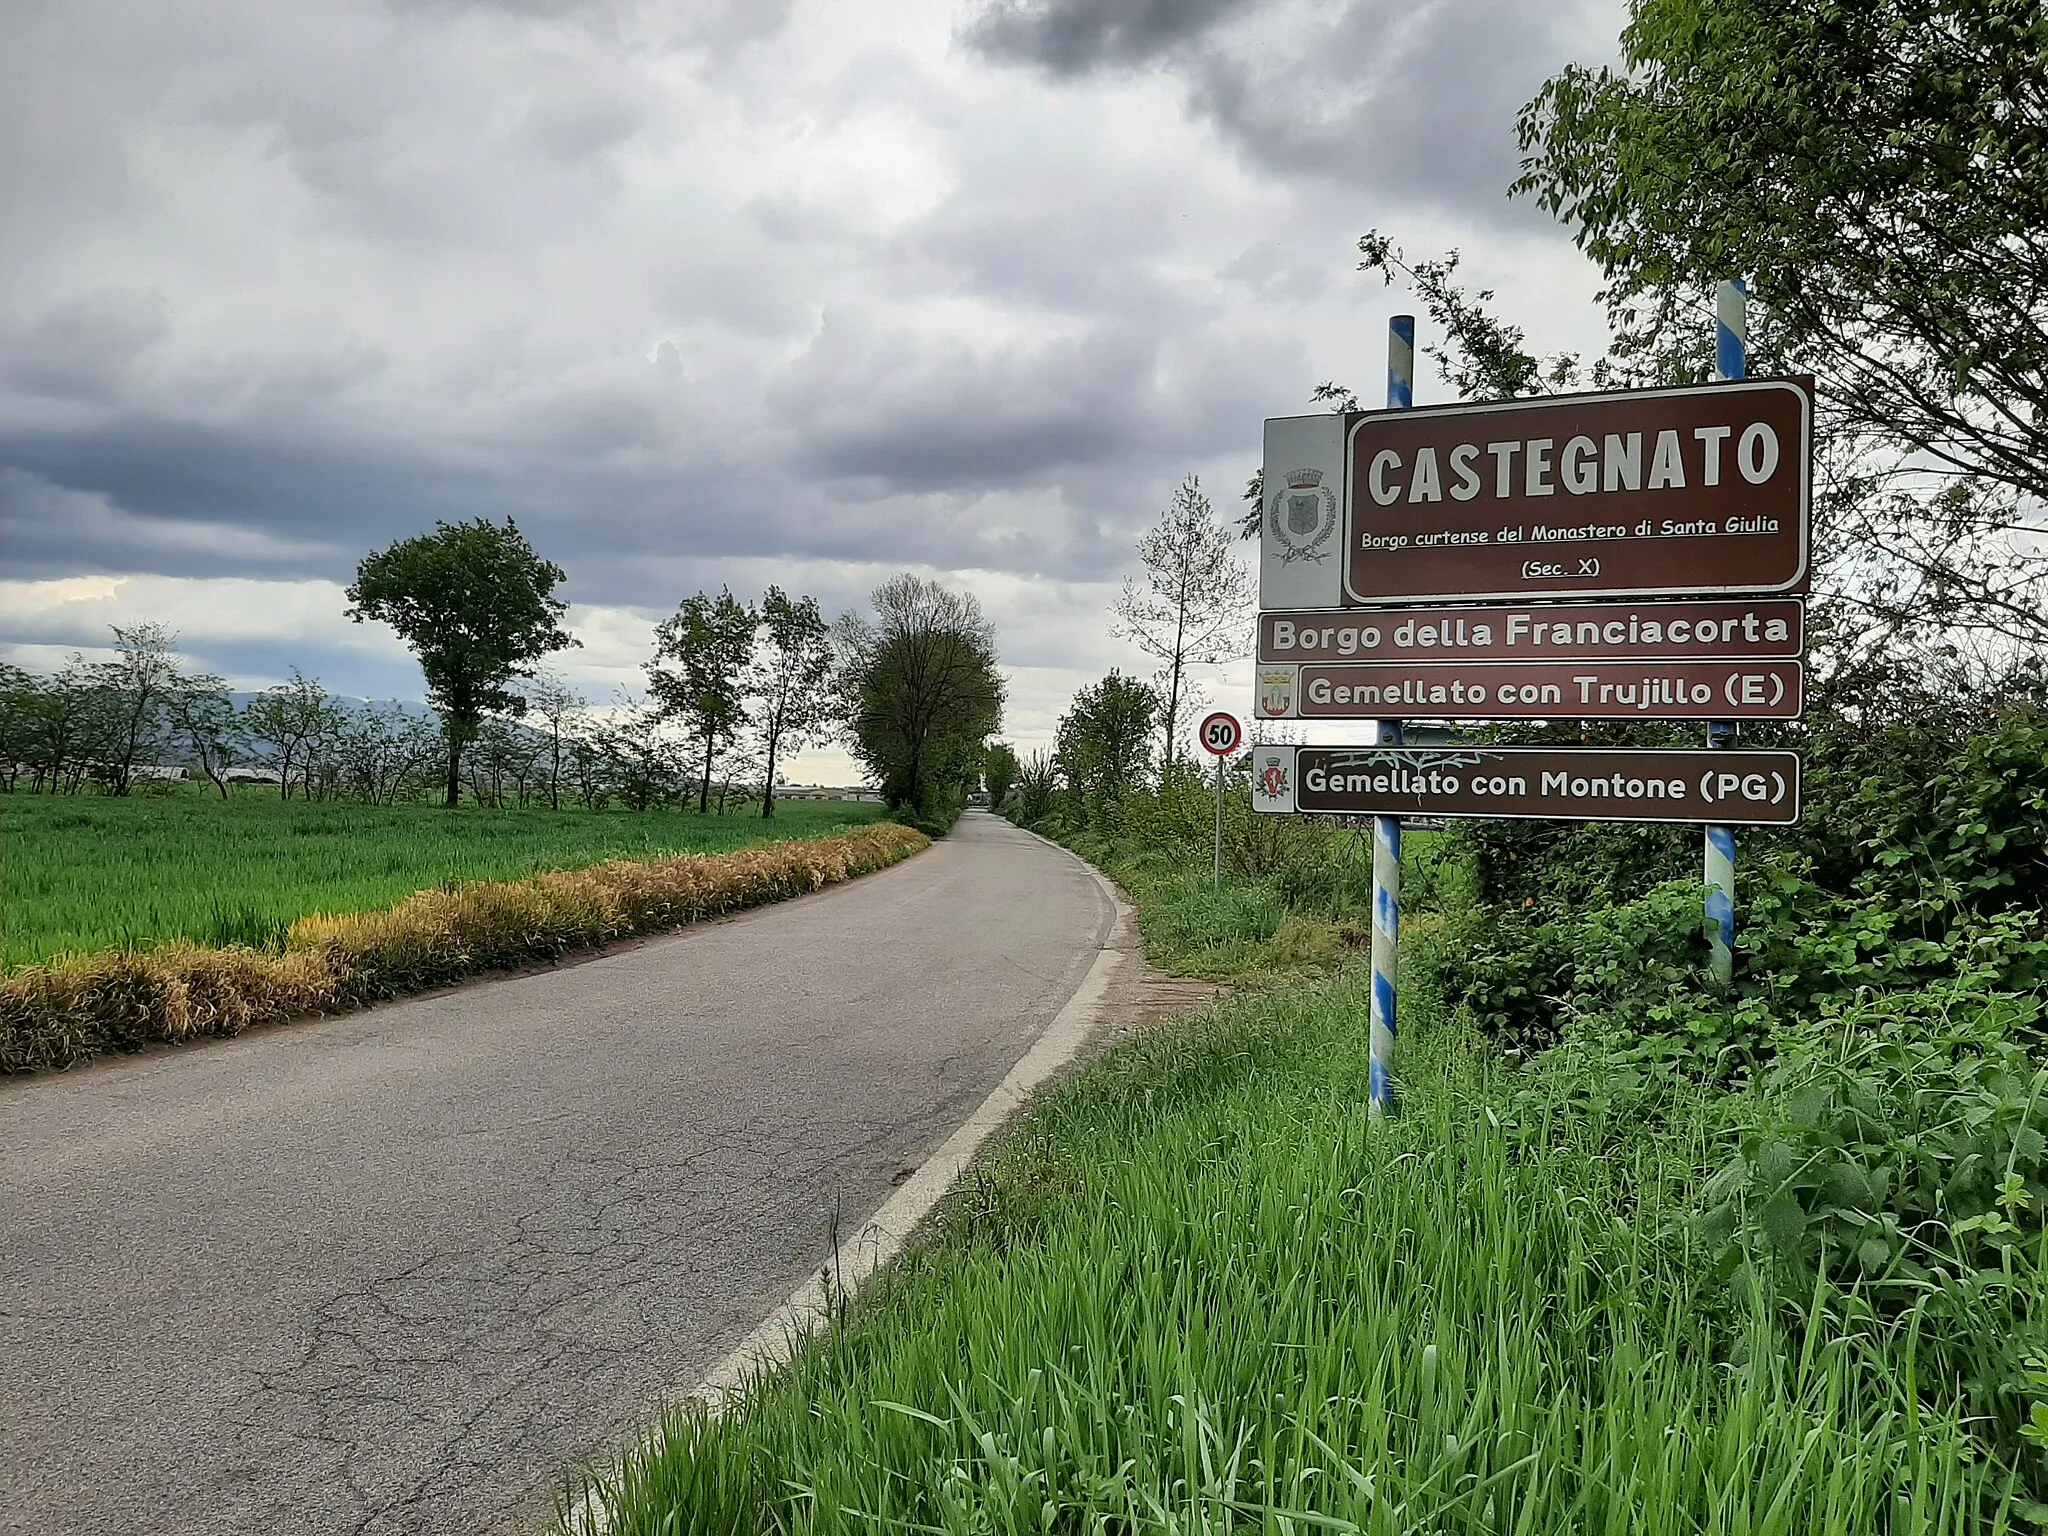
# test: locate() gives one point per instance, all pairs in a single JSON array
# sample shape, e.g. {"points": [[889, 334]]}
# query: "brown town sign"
{"points": [[1651, 492]]}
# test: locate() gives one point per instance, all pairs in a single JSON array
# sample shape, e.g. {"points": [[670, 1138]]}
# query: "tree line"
{"points": [[733, 690], [1190, 606]]}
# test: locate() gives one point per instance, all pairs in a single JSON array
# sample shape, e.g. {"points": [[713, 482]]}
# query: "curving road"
{"points": [[391, 1272]]}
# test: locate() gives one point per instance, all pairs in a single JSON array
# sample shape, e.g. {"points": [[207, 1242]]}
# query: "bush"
{"points": [[1902, 1157], [62, 1012]]}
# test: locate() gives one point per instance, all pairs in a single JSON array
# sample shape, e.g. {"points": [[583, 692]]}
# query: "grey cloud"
{"points": [[910, 413], [1073, 37], [82, 348], [579, 128], [1415, 97], [306, 492], [37, 508], [718, 28], [1392, 97]]}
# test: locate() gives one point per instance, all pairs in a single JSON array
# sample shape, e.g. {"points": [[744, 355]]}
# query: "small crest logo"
{"points": [[1272, 776], [1276, 691], [1301, 516]]}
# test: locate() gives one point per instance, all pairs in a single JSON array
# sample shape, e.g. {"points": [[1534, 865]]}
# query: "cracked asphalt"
{"points": [[393, 1272]]}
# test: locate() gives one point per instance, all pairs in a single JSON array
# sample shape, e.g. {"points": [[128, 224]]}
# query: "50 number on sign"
{"points": [[1220, 734]]}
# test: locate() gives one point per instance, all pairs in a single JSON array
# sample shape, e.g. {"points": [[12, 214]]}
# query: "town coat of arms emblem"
{"points": [[1301, 515], [1276, 691], [1272, 778]]}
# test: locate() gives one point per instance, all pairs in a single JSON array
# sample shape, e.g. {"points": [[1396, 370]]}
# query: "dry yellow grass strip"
{"points": [[68, 1010]]}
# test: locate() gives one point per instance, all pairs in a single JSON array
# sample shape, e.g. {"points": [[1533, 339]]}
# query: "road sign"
{"points": [[1220, 734], [1731, 788], [1668, 492], [1753, 629], [1645, 492], [1535, 690]]}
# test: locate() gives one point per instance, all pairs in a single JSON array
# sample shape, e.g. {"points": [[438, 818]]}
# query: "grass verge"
{"points": [[85, 873], [1197, 1290], [55, 1014]]}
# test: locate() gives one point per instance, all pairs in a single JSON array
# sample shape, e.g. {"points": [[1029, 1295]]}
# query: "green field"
{"points": [[86, 872]]}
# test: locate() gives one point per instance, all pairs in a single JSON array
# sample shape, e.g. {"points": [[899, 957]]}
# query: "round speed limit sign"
{"points": [[1221, 734]]}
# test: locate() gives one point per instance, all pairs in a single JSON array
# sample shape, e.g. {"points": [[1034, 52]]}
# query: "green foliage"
{"points": [[1000, 771], [1900, 1157], [477, 606], [1879, 170], [1105, 749], [699, 673], [1483, 357], [921, 695], [1200, 1291], [89, 872], [1038, 783], [792, 701]]}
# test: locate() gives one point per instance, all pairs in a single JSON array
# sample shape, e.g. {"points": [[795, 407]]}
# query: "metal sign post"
{"points": [[1220, 734], [1386, 830], [1731, 362]]}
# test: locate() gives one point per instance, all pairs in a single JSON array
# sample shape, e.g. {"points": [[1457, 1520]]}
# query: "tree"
{"points": [[920, 692], [789, 682], [203, 715], [63, 723], [21, 696], [137, 687], [709, 643], [295, 720], [999, 773], [1037, 783], [1876, 171], [1105, 744], [641, 761], [477, 606], [1195, 606], [381, 749], [558, 707]]}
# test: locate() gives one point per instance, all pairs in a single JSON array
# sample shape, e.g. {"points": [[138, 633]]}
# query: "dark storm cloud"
{"points": [[1073, 37], [1385, 95], [320, 502], [1416, 100]]}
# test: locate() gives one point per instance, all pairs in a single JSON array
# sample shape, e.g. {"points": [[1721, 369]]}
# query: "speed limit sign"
{"points": [[1221, 734]]}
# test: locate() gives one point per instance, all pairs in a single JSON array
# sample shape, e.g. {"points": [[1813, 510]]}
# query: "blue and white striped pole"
{"points": [[1386, 830], [1731, 361]]}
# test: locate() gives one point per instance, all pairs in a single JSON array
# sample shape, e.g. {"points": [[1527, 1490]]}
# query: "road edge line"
{"points": [[883, 1236]]}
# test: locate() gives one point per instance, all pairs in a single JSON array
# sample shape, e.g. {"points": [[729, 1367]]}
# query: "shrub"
{"points": [[1901, 1157], [65, 1011]]}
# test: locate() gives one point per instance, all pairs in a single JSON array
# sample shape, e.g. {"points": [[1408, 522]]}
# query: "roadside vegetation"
{"points": [[141, 909], [1631, 1257], [91, 872], [66, 1010]]}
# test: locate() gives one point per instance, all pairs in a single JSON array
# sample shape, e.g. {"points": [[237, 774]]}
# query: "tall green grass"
{"points": [[1198, 1291], [80, 873]]}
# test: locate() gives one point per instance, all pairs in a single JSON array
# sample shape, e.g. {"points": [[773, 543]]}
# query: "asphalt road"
{"points": [[392, 1272]]}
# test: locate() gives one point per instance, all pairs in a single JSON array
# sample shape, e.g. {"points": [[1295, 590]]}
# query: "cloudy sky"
{"points": [[706, 291]]}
